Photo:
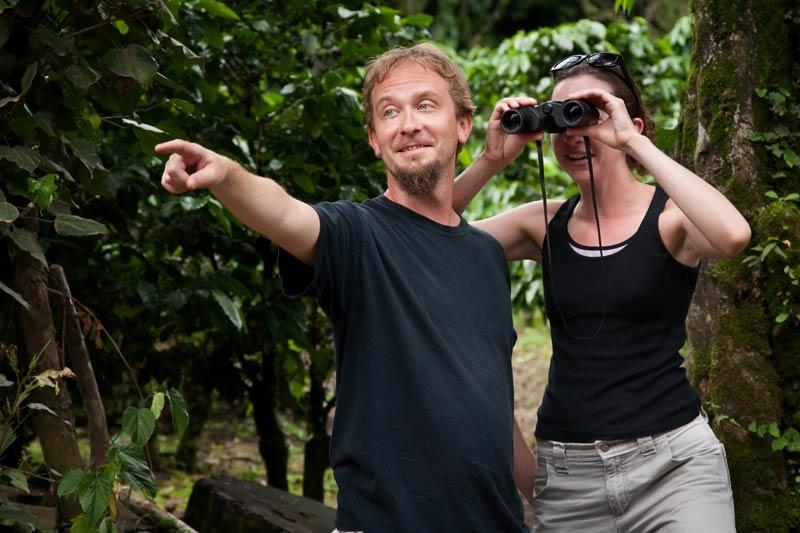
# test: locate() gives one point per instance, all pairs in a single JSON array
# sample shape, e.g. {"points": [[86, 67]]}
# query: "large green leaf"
{"points": [[217, 8], [107, 526], [82, 76], [8, 212], [86, 151], [94, 492], [17, 478], [139, 424], [230, 308], [133, 469], [82, 524], [75, 226], [70, 482], [22, 156], [133, 61], [178, 410], [7, 437], [26, 240]]}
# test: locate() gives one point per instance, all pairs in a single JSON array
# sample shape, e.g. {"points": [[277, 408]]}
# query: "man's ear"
{"points": [[464, 129], [373, 142]]}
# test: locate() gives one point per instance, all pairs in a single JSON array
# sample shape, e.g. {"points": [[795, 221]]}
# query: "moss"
{"points": [[772, 32], [729, 275], [717, 83], [772, 514], [727, 17]]}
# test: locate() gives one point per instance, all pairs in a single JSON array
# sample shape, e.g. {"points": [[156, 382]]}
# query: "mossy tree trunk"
{"points": [[56, 433], [740, 358]]}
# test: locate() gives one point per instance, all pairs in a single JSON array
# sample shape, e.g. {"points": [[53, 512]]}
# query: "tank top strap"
{"points": [[562, 216], [650, 223]]}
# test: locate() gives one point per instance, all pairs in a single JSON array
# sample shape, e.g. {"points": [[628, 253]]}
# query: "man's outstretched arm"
{"points": [[260, 203]]}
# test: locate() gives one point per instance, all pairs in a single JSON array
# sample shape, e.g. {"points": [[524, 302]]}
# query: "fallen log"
{"points": [[231, 505]]}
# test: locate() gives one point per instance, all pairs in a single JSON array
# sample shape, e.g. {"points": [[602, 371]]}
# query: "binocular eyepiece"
{"points": [[551, 117]]}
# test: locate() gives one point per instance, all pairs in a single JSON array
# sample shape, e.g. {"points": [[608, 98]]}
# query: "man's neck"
{"points": [[437, 206]]}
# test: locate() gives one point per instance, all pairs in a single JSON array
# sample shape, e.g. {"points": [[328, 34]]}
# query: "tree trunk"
{"points": [[82, 364], [271, 441], [56, 433], [199, 402], [316, 453], [741, 46]]}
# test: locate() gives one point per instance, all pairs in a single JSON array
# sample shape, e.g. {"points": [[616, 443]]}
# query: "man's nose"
{"points": [[410, 122]]}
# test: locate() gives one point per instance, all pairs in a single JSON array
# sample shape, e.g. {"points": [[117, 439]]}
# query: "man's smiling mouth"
{"points": [[413, 147]]}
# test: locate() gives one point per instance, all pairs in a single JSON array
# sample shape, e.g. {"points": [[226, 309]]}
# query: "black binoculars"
{"points": [[551, 117]]}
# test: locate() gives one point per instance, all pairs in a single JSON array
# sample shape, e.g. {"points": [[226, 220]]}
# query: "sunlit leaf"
{"points": [[418, 19], [217, 8], [41, 407], [142, 126], [121, 26], [229, 307], [158, 404]]}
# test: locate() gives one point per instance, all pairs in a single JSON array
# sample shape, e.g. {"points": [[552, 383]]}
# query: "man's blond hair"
{"points": [[427, 55]]}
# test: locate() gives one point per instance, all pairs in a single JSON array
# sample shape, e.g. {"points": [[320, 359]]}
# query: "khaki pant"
{"points": [[673, 482]]}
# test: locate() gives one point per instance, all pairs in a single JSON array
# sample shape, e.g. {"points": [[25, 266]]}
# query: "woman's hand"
{"points": [[615, 128], [501, 147]]}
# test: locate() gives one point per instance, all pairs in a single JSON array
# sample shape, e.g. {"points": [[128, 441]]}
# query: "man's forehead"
{"points": [[410, 77]]}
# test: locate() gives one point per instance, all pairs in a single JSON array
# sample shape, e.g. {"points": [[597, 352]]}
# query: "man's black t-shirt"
{"points": [[422, 437]]}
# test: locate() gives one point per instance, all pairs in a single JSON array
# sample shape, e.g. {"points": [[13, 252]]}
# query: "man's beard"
{"points": [[419, 181]]}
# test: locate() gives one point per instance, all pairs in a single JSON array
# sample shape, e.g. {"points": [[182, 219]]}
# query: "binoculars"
{"points": [[551, 117]]}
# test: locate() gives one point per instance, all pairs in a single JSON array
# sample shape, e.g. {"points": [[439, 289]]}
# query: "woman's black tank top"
{"points": [[627, 380]]}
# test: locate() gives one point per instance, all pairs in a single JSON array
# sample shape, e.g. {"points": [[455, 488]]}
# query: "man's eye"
{"points": [[425, 105], [390, 112]]}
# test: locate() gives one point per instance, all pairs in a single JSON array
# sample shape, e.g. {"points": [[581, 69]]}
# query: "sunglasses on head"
{"points": [[604, 60]]}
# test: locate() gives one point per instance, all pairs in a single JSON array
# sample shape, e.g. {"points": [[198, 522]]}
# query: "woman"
{"points": [[622, 443]]}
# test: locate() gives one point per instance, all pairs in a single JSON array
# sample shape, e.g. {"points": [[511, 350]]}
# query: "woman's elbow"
{"points": [[737, 240]]}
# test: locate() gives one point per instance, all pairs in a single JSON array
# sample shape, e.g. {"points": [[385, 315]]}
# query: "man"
{"points": [[424, 437]]}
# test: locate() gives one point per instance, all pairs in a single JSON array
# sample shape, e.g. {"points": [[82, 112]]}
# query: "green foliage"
{"points": [[773, 253], [126, 463], [784, 441], [781, 140]]}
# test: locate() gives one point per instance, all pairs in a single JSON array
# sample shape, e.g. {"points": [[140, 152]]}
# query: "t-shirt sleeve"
{"points": [[335, 256]]}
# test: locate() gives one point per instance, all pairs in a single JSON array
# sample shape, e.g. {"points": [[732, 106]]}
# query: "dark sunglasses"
{"points": [[604, 60]]}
